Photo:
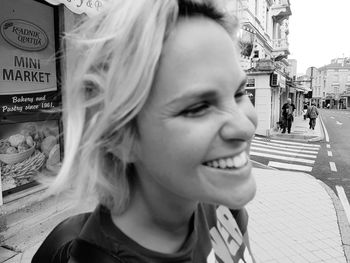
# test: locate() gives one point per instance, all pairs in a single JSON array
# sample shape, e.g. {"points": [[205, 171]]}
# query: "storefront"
{"points": [[264, 88], [32, 77]]}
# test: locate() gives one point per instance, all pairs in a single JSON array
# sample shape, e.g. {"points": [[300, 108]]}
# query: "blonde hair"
{"points": [[117, 53]]}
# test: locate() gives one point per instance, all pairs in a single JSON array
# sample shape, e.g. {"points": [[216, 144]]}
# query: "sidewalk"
{"points": [[300, 130], [296, 218], [293, 218]]}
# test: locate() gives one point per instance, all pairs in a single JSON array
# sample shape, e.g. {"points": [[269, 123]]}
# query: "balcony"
{"points": [[265, 65], [281, 10], [280, 44]]}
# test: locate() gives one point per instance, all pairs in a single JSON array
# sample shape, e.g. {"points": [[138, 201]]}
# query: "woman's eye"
{"points": [[196, 110], [240, 93]]}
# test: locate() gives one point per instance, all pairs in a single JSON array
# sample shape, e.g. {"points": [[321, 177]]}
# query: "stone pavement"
{"points": [[296, 218], [293, 218]]}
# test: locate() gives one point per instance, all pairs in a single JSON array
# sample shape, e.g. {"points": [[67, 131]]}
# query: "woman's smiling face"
{"points": [[196, 126]]}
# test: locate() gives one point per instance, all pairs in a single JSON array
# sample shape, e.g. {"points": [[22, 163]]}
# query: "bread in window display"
{"points": [[15, 149], [16, 140], [54, 155], [4, 145], [53, 161], [29, 140], [29, 129], [47, 144], [11, 150], [23, 147], [38, 138]]}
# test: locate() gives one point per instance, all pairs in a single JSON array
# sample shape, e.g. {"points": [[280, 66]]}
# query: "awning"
{"points": [[89, 7]]}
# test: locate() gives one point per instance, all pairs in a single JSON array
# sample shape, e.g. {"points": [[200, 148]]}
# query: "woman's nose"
{"points": [[239, 124]]}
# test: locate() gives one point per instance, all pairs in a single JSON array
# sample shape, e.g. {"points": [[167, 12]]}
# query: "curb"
{"points": [[300, 137], [343, 224], [321, 137], [261, 165], [297, 138]]}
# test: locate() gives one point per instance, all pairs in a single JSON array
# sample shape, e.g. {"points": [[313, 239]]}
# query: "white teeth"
{"points": [[239, 160], [234, 162], [222, 163], [229, 163]]}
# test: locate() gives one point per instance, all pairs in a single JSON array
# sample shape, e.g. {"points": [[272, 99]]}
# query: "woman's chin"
{"points": [[241, 195]]}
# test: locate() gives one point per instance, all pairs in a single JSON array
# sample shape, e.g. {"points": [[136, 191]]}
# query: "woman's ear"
{"points": [[133, 156], [128, 145]]}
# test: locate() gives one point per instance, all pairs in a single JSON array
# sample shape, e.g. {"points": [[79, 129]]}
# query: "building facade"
{"points": [[331, 84], [264, 43]]}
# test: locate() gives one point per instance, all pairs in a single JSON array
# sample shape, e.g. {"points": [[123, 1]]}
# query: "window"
{"points": [[336, 78], [336, 89], [267, 19]]}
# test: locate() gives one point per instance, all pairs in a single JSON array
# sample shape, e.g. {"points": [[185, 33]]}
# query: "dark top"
{"points": [[287, 110], [217, 235]]}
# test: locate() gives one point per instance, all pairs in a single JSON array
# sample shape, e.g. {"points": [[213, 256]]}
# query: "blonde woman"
{"points": [[159, 127]]}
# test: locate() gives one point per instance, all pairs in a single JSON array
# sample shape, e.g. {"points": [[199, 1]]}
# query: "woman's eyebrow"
{"points": [[202, 95]]}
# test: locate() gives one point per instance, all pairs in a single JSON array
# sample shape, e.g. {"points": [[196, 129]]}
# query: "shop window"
{"points": [[30, 124]]}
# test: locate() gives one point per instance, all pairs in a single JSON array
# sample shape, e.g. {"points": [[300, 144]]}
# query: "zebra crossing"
{"points": [[283, 154]]}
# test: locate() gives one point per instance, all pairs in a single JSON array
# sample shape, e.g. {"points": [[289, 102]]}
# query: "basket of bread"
{"points": [[16, 148]]}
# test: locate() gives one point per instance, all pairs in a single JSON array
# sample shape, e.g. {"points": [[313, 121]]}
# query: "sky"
{"points": [[319, 30]]}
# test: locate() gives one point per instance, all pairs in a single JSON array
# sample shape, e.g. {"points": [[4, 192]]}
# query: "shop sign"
{"points": [[265, 64], [27, 48], [250, 82], [282, 82], [36, 102], [24, 35], [89, 7]]}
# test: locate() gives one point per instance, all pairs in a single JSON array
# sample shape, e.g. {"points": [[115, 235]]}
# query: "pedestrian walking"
{"points": [[305, 111], [312, 114], [288, 115], [158, 125]]}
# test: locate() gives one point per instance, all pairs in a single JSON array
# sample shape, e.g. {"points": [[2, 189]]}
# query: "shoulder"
{"points": [[59, 244], [56, 246]]}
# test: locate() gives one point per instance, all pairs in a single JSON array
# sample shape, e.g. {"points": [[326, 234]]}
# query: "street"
{"points": [[333, 163], [327, 160]]}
